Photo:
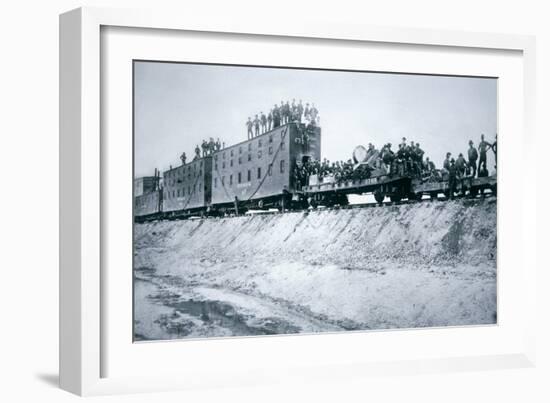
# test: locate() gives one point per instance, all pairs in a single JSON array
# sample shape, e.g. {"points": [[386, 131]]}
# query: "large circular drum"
{"points": [[359, 154]]}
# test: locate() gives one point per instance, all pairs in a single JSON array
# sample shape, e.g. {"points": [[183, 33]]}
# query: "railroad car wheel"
{"points": [[379, 197], [260, 203], [343, 199], [474, 192], [433, 196], [395, 198], [494, 189]]}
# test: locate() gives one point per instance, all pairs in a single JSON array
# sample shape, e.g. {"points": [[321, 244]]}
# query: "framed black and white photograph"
{"points": [[246, 203], [273, 200]]}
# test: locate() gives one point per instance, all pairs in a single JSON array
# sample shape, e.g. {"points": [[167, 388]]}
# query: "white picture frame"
{"points": [[82, 172]]}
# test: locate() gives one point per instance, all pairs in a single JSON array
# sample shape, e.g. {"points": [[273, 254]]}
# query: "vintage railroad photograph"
{"points": [[277, 201]]}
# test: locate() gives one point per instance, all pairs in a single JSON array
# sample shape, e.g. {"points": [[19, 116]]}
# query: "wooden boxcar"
{"points": [[258, 172], [187, 188]]}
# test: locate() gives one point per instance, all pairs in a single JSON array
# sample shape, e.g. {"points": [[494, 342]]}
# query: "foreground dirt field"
{"points": [[427, 264]]}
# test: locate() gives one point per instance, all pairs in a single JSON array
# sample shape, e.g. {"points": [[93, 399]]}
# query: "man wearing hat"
{"points": [[256, 125], [249, 125], [460, 166], [447, 162], [483, 146], [452, 178], [472, 158]]}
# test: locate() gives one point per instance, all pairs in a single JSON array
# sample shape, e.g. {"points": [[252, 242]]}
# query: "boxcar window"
{"points": [[240, 160], [282, 166], [250, 157], [231, 163], [230, 180], [200, 164], [240, 150], [239, 180], [248, 177], [282, 145], [259, 154], [216, 167], [179, 193], [270, 150], [183, 192], [249, 146], [223, 180], [231, 152], [271, 138], [259, 143], [215, 182], [259, 172], [200, 187], [269, 170], [223, 155]]}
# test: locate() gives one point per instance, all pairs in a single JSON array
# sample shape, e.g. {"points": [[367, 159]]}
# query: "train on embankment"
{"points": [[258, 174]]}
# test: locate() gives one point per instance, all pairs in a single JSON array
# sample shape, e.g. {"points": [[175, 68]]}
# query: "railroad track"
{"points": [[348, 207]]}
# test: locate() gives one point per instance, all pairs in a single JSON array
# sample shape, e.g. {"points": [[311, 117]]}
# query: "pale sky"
{"points": [[178, 105]]}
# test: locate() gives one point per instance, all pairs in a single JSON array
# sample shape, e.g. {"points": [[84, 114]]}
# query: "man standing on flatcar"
{"points": [[452, 178], [472, 159], [483, 146], [447, 162], [460, 166]]}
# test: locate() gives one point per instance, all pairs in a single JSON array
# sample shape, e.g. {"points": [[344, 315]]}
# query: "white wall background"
{"points": [[29, 201]]}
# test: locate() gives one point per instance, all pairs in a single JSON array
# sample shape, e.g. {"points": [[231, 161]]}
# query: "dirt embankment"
{"points": [[427, 264], [422, 234]]}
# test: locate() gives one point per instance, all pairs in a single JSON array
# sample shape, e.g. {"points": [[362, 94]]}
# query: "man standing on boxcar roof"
{"points": [[218, 145], [276, 116], [256, 126], [211, 146], [183, 157], [269, 120], [263, 120], [300, 109], [204, 147], [282, 112], [249, 125], [197, 152]]}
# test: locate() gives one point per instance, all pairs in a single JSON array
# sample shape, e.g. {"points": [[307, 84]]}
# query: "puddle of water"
{"points": [[162, 317]]}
